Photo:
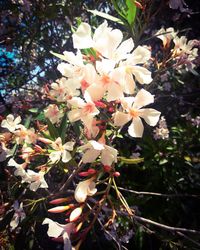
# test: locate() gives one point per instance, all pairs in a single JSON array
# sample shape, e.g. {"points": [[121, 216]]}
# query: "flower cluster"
{"points": [[184, 52], [101, 88]]}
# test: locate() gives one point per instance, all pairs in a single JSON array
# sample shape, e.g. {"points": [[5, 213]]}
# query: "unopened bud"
{"points": [[116, 174], [111, 110], [138, 5], [91, 171], [107, 168], [45, 140], [83, 174], [38, 149], [58, 209], [76, 229], [58, 201], [75, 214], [100, 104]]}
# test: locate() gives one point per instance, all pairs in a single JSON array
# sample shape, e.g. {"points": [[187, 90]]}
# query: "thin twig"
{"points": [[165, 227], [188, 238], [160, 194]]}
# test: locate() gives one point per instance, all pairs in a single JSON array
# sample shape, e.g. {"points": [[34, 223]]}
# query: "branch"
{"points": [[160, 194], [165, 227]]}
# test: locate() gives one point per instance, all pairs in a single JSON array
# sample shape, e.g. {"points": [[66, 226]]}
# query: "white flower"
{"points": [[93, 149], [61, 151], [64, 89], [107, 81], [53, 113], [84, 189], [20, 171], [166, 35], [35, 180], [84, 111], [11, 123], [106, 41], [25, 135], [134, 112], [56, 230], [18, 216]]}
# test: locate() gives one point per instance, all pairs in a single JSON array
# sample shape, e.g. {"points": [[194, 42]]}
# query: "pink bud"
{"points": [[45, 140], [75, 214], [58, 209], [100, 104], [58, 201], [38, 149], [83, 174], [107, 168], [91, 171], [111, 110], [116, 174]]}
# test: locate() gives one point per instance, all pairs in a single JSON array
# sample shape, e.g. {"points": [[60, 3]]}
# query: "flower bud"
{"points": [[45, 140], [75, 214], [91, 171], [58, 209], [107, 168], [58, 201], [116, 174]]}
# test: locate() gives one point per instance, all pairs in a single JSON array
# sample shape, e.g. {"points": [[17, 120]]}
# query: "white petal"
{"points": [[143, 98], [18, 120], [120, 118], [55, 229], [55, 156], [151, 116], [124, 48], [96, 91], [115, 92], [73, 59], [90, 155], [82, 37], [74, 115], [96, 145], [108, 156], [136, 128], [142, 74], [34, 185], [66, 156], [140, 55], [69, 145]]}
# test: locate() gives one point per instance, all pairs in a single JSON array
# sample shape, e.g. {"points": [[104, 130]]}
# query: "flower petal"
{"points": [[136, 128], [90, 155], [82, 37], [120, 118], [151, 116], [142, 74], [66, 156], [143, 98], [55, 229]]}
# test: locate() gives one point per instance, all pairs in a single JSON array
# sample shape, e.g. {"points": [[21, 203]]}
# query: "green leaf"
{"points": [[40, 117], [28, 121], [62, 57], [131, 161], [33, 110], [63, 127], [52, 129], [106, 16], [131, 12]]}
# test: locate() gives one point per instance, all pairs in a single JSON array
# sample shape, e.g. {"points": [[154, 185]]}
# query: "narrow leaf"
{"points": [[52, 129], [106, 16], [131, 161]]}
